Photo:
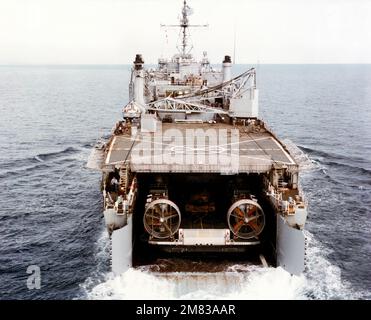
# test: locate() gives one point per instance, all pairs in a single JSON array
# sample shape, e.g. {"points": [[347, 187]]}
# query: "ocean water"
{"points": [[51, 208]]}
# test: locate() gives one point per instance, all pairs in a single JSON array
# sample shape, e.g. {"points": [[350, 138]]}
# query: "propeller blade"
{"points": [[237, 216], [172, 216], [254, 225], [238, 226], [167, 227], [152, 216], [239, 212]]}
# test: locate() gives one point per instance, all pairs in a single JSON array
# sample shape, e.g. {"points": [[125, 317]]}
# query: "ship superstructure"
{"points": [[191, 169]]}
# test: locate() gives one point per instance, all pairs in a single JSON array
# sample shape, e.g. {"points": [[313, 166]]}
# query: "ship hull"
{"points": [[290, 247], [122, 248]]}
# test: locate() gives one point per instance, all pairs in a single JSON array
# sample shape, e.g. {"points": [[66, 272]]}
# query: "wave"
{"points": [[332, 159], [52, 155], [350, 168], [22, 171], [38, 158], [318, 152], [19, 167]]}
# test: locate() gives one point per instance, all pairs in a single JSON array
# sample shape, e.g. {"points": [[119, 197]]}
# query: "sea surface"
{"points": [[51, 207]]}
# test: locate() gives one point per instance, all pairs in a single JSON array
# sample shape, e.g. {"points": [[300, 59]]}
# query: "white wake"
{"points": [[322, 280]]}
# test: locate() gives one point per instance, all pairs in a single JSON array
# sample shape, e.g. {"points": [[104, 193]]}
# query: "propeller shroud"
{"points": [[162, 219], [246, 219]]}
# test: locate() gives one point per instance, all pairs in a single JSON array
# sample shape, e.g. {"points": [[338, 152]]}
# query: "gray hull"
{"points": [[122, 249], [290, 247]]}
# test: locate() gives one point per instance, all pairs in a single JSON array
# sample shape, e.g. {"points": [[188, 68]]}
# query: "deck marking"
{"points": [[110, 150], [283, 150]]}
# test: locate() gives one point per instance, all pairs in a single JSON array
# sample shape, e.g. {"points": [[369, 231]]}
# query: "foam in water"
{"points": [[252, 284], [39, 159], [322, 280]]}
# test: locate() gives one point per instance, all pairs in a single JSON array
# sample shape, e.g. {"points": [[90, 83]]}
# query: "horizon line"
{"points": [[129, 64]]}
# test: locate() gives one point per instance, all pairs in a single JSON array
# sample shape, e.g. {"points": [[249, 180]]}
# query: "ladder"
{"points": [[280, 182], [124, 179]]}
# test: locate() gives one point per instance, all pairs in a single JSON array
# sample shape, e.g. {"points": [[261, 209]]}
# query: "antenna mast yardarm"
{"points": [[184, 25]]}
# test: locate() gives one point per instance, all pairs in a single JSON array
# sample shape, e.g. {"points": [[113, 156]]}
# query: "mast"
{"points": [[184, 25]]}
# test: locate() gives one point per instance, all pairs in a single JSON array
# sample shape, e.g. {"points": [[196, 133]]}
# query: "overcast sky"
{"points": [[113, 31]]}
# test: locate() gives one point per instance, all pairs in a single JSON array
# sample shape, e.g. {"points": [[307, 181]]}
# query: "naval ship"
{"points": [[190, 170]]}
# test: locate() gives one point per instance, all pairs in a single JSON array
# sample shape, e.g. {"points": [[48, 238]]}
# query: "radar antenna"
{"points": [[184, 25]]}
